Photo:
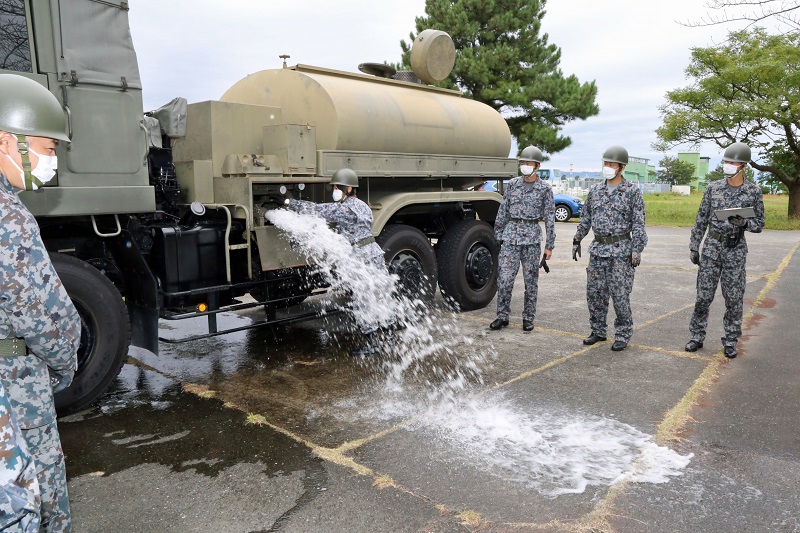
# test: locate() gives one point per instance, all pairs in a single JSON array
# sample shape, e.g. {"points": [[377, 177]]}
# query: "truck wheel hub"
{"points": [[408, 268], [479, 266]]}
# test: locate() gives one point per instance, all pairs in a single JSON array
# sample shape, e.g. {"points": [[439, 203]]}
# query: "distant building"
{"points": [[700, 168], [640, 170]]}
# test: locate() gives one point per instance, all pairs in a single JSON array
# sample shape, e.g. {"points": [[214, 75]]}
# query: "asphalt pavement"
{"points": [[280, 430]]}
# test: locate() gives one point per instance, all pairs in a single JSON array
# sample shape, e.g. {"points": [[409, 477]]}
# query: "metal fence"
{"points": [[581, 186]]}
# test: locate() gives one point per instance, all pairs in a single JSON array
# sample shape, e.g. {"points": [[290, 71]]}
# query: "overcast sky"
{"points": [[635, 51]]}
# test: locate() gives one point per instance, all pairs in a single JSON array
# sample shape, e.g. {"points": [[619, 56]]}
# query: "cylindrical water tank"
{"points": [[364, 113]]}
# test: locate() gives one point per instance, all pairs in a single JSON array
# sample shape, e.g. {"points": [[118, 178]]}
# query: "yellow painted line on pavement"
{"points": [[673, 353], [666, 315]]}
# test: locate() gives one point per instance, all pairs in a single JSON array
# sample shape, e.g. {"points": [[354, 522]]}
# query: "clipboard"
{"points": [[744, 212]]}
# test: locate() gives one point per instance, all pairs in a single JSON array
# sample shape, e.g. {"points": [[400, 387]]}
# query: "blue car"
{"points": [[567, 206]]}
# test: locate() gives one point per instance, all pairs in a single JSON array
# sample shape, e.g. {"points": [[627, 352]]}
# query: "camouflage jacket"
{"points": [[352, 218], [719, 196], [33, 305], [608, 214], [19, 488], [522, 205]]}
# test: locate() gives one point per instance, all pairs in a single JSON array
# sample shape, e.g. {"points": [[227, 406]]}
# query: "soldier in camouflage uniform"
{"points": [[614, 210], [353, 219], [40, 325], [725, 249], [527, 200]]}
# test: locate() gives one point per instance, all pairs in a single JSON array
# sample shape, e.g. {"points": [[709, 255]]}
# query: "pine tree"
{"points": [[505, 61]]}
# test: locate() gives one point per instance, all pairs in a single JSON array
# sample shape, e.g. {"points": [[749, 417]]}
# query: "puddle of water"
{"points": [[546, 449]]}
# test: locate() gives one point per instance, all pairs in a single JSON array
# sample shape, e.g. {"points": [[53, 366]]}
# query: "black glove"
{"points": [[738, 221], [277, 198], [499, 242], [576, 249], [636, 259], [543, 265], [694, 257], [59, 382]]}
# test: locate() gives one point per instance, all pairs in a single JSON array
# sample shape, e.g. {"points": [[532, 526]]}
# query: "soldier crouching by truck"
{"points": [[39, 325], [527, 200], [353, 219]]}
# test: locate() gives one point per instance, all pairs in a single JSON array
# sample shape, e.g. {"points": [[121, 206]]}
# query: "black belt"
{"points": [[716, 235], [13, 347], [611, 239], [365, 241], [533, 220]]}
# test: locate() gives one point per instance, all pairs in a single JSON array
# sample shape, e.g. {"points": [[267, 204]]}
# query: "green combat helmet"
{"points": [[737, 153], [345, 177], [616, 154], [531, 153], [27, 108]]}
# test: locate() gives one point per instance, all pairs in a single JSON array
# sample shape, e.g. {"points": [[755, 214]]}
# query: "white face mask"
{"points": [[337, 195], [45, 169], [526, 170], [609, 173], [729, 169]]}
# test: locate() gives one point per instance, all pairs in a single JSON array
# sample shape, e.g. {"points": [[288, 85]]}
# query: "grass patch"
{"points": [[255, 419], [470, 518], [383, 482], [681, 211]]}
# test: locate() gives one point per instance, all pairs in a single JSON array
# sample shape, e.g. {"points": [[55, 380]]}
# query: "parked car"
{"points": [[567, 206]]}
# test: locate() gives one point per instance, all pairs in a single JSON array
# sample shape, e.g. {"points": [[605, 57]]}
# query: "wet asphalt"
{"points": [[274, 429]]}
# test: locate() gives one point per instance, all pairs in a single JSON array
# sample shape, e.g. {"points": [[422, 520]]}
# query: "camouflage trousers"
{"points": [[727, 269], [44, 444], [511, 255], [20, 501], [610, 277]]}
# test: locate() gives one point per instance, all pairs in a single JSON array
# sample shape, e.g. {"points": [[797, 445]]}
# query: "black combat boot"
{"points": [[618, 346], [527, 325], [593, 338], [498, 323], [730, 351], [693, 345]]}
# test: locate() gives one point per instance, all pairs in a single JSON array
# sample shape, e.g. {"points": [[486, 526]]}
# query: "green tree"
{"points": [[505, 61], [747, 89], [675, 172]]}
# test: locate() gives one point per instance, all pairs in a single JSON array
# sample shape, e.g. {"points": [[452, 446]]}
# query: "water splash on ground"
{"points": [[432, 369], [428, 345]]}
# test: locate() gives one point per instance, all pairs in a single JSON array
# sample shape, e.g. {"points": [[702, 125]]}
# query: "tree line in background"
{"points": [[745, 89]]}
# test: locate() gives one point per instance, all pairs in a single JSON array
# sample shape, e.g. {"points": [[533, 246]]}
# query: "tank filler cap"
{"points": [[433, 55]]}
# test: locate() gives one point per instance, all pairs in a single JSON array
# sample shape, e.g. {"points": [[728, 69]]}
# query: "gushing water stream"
{"points": [[431, 371]]}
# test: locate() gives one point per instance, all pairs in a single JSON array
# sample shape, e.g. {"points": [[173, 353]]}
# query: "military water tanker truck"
{"points": [[160, 216]]}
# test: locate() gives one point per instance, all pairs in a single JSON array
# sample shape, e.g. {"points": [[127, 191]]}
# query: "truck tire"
{"points": [[105, 332], [409, 255], [467, 257]]}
